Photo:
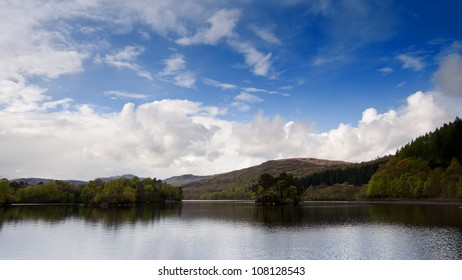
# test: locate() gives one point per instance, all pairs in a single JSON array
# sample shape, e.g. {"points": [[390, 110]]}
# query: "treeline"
{"points": [[427, 167], [345, 183], [283, 189], [438, 147], [357, 174], [413, 178], [118, 192]]}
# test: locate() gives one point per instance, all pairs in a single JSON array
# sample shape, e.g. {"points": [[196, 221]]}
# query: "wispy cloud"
{"points": [[265, 34], [401, 84], [122, 94], [186, 79], [385, 70], [217, 84], [125, 59], [411, 62], [175, 67], [321, 60], [259, 63], [220, 25], [249, 98]]}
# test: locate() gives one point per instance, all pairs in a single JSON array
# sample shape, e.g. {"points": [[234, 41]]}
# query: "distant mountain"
{"points": [[36, 181], [235, 184], [182, 179], [127, 176]]}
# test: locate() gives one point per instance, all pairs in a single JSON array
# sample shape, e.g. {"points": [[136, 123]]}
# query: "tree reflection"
{"points": [[110, 217]]}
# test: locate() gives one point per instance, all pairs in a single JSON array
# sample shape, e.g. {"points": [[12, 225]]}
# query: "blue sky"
{"points": [[162, 88]]}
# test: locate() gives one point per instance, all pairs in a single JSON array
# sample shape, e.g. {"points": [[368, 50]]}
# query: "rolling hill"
{"points": [[236, 184]]}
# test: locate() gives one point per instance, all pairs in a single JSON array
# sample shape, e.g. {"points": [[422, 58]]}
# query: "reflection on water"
{"points": [[110, 217], [233, 230]]}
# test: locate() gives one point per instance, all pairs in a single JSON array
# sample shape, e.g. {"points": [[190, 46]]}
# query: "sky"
{"points": [[94, 88]]}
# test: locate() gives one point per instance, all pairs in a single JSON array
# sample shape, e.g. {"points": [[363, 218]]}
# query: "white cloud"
{"points": [[259, 62], [147, 140], [224, 86], [265, 34], [175, 67], [248, 98], [241, 106], [186, 79], [374, 135], [221, 25], [243, 100], [125, 58], [17, 96], [411, 62], [385, 70], [171, 137], [401, 84], [117, 93], [449, 75], [27, 49]]}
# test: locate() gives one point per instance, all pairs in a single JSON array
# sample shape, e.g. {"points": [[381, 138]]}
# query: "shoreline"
{"points": [[305, 202]]}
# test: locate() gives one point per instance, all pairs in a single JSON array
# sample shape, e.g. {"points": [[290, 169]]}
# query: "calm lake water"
{"points": [[233, 230]]}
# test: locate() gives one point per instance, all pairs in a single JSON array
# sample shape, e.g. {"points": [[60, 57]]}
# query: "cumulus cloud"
{"points": [[374, 135], [170, 137], [81, 143], [449, 75]]}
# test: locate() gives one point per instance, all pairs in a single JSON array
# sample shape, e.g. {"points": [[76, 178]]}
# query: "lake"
{"points": [[220, 230]]}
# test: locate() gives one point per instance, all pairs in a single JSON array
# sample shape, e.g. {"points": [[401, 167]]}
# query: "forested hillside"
{"points": [[428, 167], [341, 183]]}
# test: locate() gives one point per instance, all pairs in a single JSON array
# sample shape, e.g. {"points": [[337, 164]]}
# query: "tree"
{"points": [[6, 192], [450, 179], [283, 189], [432, 186]]}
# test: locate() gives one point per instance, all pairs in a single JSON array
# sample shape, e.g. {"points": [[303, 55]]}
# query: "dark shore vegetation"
{"points": [[117, 192]]}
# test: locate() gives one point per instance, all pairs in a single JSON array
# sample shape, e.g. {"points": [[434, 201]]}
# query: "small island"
{"points": [[280, 190]]}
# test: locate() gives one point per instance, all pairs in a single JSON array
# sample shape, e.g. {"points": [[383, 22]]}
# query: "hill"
{"points": [[427, 167], [37, 181], [236, 184]]}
